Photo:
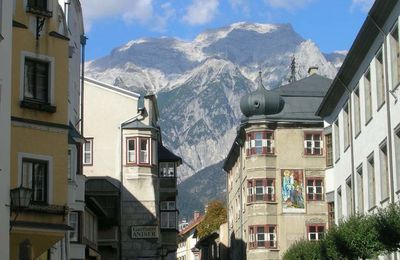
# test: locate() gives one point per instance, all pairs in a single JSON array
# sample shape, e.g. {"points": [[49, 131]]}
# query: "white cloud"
{"points": [[240, 5], [201, 11], [128, 10], [363, 5], [288, 4], [161, 21]]}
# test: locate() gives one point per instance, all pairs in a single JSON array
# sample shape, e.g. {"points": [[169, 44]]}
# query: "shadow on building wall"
{"points": [[237, 250], [129, 229]]}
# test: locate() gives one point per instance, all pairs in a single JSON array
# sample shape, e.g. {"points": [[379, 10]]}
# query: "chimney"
{"points": [[312, 70], [196, 215]]}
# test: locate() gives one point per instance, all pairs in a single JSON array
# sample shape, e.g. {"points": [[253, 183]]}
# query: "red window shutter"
{"points": [[264, 135], [248, 187], [247, 152], [264, 150]]}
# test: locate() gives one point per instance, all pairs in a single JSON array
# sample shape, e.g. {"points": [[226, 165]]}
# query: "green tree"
{"points": [[303, 250], [215, 216], [387, 223]]}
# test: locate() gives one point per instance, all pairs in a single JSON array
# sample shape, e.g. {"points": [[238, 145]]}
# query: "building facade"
{"points": [[39, 128], [187, 240], [6, 11], [127, 147], [362, 115], [275, 171]]}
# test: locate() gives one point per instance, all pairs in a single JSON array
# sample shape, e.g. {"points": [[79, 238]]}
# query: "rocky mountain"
{"points": [[199, 83]]}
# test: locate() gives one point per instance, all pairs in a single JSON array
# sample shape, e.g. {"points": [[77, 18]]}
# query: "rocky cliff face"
{"points": [[199, 83]]}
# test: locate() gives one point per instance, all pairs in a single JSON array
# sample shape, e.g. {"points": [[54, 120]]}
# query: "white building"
{"points": [[363, 142], [187, 240], [72, 245], [6, 12]]}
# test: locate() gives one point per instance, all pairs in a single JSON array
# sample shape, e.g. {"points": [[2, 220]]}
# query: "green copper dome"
{"points": [[261, 102]]}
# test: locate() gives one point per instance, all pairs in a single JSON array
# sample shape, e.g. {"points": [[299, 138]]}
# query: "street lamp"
{"points": [[20, 199]]}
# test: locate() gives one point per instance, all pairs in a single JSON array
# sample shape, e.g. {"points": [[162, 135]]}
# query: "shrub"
{"points": [[387, 224], [303, 250]]}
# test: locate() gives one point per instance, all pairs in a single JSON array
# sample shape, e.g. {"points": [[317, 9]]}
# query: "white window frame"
{"points": [[316, 233], [84, 152], [49, 160], [168, 209], [72, 162], [74, 234], [147, 152], [312, 189], [164, 169], [129, 151], [267, 236], [311, 144], [40, 57]]}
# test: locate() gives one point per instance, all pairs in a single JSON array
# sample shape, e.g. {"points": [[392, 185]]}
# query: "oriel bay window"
{"points": [[261, 190], [313, 143], [262, 236], [168, 215], [315, 232], [261, 142], [167, 169], [315, 189], [35, 177], [138, 151]]}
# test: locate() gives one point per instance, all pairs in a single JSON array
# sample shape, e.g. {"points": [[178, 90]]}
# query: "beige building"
{"points": [[124, 148], [276, 171]]}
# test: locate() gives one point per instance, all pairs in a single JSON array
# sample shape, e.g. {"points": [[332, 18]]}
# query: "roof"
{"points": [[191, 226], [377, 16], [74, 136], [165, 155], [113, 88], [136, 124], [302, 99]]}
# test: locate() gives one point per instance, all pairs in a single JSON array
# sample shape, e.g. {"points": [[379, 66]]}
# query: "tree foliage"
{"points": [[387, 222], [215, 216], [358, 237]]}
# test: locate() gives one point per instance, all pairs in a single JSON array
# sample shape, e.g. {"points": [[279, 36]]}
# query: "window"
{"points": [[371, 181], [74, 223], [380, 81], [384, 171], [397, 154], [35, 177], [395, 56], [313, 143], [346, 127], [331, 214], [88, 152], [261, 190], [339, 203], [367, 96], [315, 232], [144, 150], [262, 236], [167, 169], [349, 196], [168, 215], [260, 143], [360, 189], [329, 151], [36, 80], [315, 189], [38, 4], [90, 226], [357, 115], [337, 140], [131, 151]]}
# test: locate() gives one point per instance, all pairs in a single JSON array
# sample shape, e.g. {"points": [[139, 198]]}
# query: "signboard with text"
{"points": [[138, 232]]}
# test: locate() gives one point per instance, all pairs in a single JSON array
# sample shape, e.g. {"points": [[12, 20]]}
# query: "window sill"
{"points": [[40, 106], [261, 155], [39, 11], [314, 155], [261, 202], [369, 120], [347, 148], [381, 105], [372, 208], [385, 200], [357, 134], [329, 167], [337, 160]]}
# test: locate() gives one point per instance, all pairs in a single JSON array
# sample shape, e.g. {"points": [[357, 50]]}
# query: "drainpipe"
{"points": [[389, 123], [83, 43], [120, 194], [350, 118], [241, 198]]}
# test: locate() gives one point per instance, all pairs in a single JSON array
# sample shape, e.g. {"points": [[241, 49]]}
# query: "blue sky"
{"points": [[332, 24]]}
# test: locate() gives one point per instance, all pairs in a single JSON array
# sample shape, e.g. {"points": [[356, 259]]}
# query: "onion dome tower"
{"points": [[261, 102]]}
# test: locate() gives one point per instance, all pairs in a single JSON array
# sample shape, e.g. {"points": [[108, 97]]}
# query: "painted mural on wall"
{"points": [[292, 190]]}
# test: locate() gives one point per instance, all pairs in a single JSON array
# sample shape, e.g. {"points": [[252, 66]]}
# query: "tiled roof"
{"points": [[191, 226]]}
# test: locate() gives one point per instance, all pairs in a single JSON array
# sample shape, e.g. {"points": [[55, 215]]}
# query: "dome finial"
{"points": [[260, 83]]}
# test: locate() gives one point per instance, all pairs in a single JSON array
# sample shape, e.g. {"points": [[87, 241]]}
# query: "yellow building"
{"points": [[39, 127]]}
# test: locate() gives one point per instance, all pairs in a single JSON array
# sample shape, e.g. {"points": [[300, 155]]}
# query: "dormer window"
{"points": [[167, 169], [260, 142]]}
